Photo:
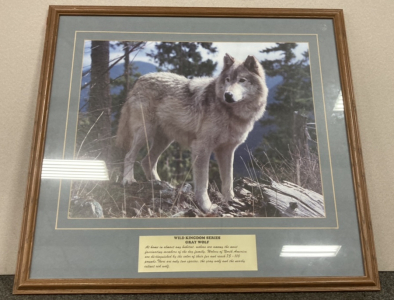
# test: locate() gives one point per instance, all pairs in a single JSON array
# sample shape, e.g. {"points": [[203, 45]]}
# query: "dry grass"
{"points": [[285, 170]]}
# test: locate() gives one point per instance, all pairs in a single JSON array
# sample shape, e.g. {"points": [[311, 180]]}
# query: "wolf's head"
{"points": [[241, 81]]}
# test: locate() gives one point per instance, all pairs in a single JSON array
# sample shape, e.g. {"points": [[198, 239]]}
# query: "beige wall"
{"points": [[369, 27]]}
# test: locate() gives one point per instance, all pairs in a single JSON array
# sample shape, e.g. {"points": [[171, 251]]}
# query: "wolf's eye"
{"points": [[227, 79], [242, 80]]}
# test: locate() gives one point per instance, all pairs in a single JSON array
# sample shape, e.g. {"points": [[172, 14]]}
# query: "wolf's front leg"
{"points": [[200, 160], [225, 158]]}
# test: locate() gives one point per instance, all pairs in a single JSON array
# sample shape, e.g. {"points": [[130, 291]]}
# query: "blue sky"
{"points": [[238, 50]]}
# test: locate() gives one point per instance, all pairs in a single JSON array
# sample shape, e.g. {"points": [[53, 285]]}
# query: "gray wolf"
{"points": [[207, 115]]}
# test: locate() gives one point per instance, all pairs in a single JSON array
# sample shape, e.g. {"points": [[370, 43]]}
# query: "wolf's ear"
{"points": [[251, 63], [228, 61]]}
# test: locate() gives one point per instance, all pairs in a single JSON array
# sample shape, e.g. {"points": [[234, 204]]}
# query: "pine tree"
{"points": [[288, 114], [184, 58], [100, 98]]}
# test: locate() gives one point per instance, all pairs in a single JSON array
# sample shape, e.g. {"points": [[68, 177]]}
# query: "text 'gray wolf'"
{"points": [[208, 115]]}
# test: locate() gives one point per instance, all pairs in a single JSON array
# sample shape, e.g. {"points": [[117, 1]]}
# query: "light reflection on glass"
{"points": [[338, 103], [74, 169], [310, 250]]}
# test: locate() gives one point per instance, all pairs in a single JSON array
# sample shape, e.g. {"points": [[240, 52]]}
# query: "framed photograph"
{"points": [[197, 150]]}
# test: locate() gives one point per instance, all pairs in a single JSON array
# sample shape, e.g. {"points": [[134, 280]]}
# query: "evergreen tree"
{"points": [[184, 58], [100, 98], [288, 115]]}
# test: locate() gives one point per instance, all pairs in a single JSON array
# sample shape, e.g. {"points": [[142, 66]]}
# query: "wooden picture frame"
{"points": [[185, 283]]}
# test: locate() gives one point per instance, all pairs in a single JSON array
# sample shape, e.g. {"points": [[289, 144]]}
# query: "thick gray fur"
{"points": [[207, 115]]}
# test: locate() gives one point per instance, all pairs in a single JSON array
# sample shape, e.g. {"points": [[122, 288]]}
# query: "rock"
{"points": [[191, 213], [292, 200], [81, 208], [187, 188], [241, 192], [179, 214], [252, 199], [237, 203]]}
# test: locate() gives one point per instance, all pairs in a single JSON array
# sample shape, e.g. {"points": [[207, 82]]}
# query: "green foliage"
{"points": [[293, 96], [184, 58]]}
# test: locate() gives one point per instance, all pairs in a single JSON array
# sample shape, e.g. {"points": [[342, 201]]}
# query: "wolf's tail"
{"points": [[124, 134]]}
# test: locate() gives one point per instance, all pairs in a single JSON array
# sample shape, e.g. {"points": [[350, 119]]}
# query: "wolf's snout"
{"points": [[229, 97]]}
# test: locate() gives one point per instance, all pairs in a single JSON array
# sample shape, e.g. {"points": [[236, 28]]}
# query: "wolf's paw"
{"points": [[209, 208], [214, 208]]}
